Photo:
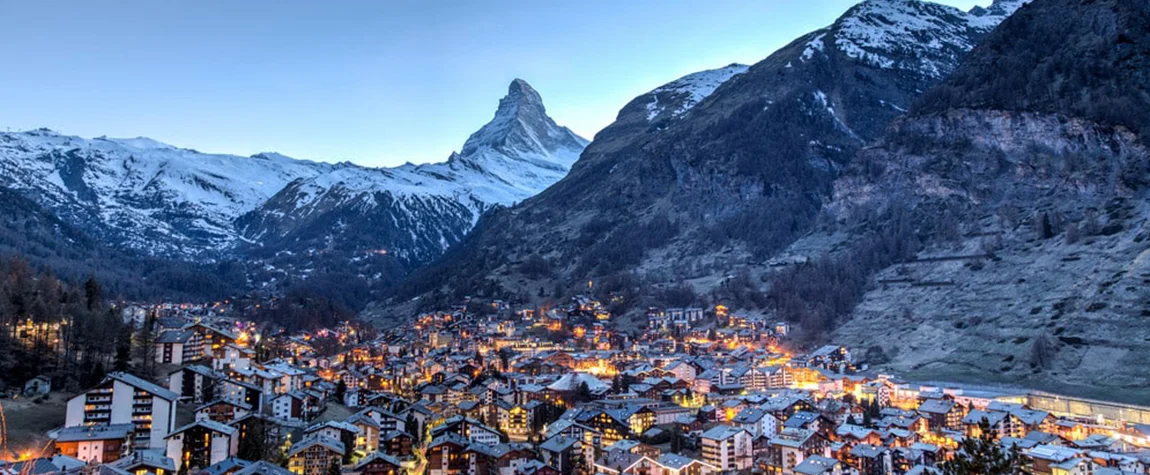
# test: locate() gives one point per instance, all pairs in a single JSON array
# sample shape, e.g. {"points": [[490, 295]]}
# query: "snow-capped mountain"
{"points": [[144, 195], [911, 35], [160, 200], [416, 211]]}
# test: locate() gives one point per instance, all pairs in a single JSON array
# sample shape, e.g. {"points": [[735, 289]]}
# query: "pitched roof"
{"points": [[175, 336], [95, 432], [816, 465], [263, 468], [207, 424], [377, 456], [224, 466], [138, 383], [311, 441], [722, 432], [936, 406]]}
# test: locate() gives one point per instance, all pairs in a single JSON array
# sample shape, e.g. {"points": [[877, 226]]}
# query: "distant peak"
{"points": [[520, 127]]}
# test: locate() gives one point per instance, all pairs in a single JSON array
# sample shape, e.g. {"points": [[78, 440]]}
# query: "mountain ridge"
{"points": [[154, 199]]}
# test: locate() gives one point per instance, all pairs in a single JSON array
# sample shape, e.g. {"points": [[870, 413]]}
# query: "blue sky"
{"points": [[376, 82]]}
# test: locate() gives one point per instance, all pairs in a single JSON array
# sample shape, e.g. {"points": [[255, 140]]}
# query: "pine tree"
{"points": [[583, 392], [983, 456], [348, 440], [123, 361], [253, 444], [93, 294], [333, 467]]}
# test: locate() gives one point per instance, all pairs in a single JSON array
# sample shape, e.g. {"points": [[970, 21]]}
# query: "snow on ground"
{"points": [[692, 89], [889, 34]]}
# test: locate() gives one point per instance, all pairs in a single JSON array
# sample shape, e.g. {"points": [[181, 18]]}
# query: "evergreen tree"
{"points": [[583, 392], [93, 294], [984, 456], [253, 444], [123, 361], [333, 467], [340, 391], [146, 346], [348, 440]]}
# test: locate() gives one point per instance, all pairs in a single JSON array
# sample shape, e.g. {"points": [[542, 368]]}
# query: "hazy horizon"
{"points": [[390, 83]]}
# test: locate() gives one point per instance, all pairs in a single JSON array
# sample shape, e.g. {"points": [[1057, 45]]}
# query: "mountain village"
{"points": [[911, 242], [486, 389]]}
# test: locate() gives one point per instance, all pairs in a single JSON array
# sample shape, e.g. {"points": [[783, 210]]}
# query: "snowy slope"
{"points": [[142, 194], [417, 211], [911, 35], [678, 96], [150, 197]]}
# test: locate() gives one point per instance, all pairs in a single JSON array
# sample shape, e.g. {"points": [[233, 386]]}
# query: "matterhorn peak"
{"points": [[521, 100], [521, 127], [521, 89]]}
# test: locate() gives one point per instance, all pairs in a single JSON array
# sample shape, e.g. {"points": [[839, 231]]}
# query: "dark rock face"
{"points": [[1035, 152]]}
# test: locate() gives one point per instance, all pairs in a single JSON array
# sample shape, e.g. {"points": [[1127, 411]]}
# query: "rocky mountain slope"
{"points": [[681, 184], [293, 216], [1033, 158]]}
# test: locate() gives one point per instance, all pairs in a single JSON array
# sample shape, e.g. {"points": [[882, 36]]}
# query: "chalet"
{"points": [[870, 459], [397, 444], [790, 447], [177, 347], [335, 430], [149, 462], [241, 392], [564, 453], [290, 406], [1003, 424], [94, 444], [378, 463], [757, 422], [222, 411], [833, 358], [473, 430], [367, 435], [314, 455], [675, 464], [819, 465], [445, 455], [614, 425], [194, 383], [727, 447], [125, 399], [202, 443], [942, 414]]}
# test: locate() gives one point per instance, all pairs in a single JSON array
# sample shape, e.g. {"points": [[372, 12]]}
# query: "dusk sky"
{"points": [[373, 82]]}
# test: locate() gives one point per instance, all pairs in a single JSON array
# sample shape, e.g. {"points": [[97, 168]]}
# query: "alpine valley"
{"points": [[953, 194]]}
